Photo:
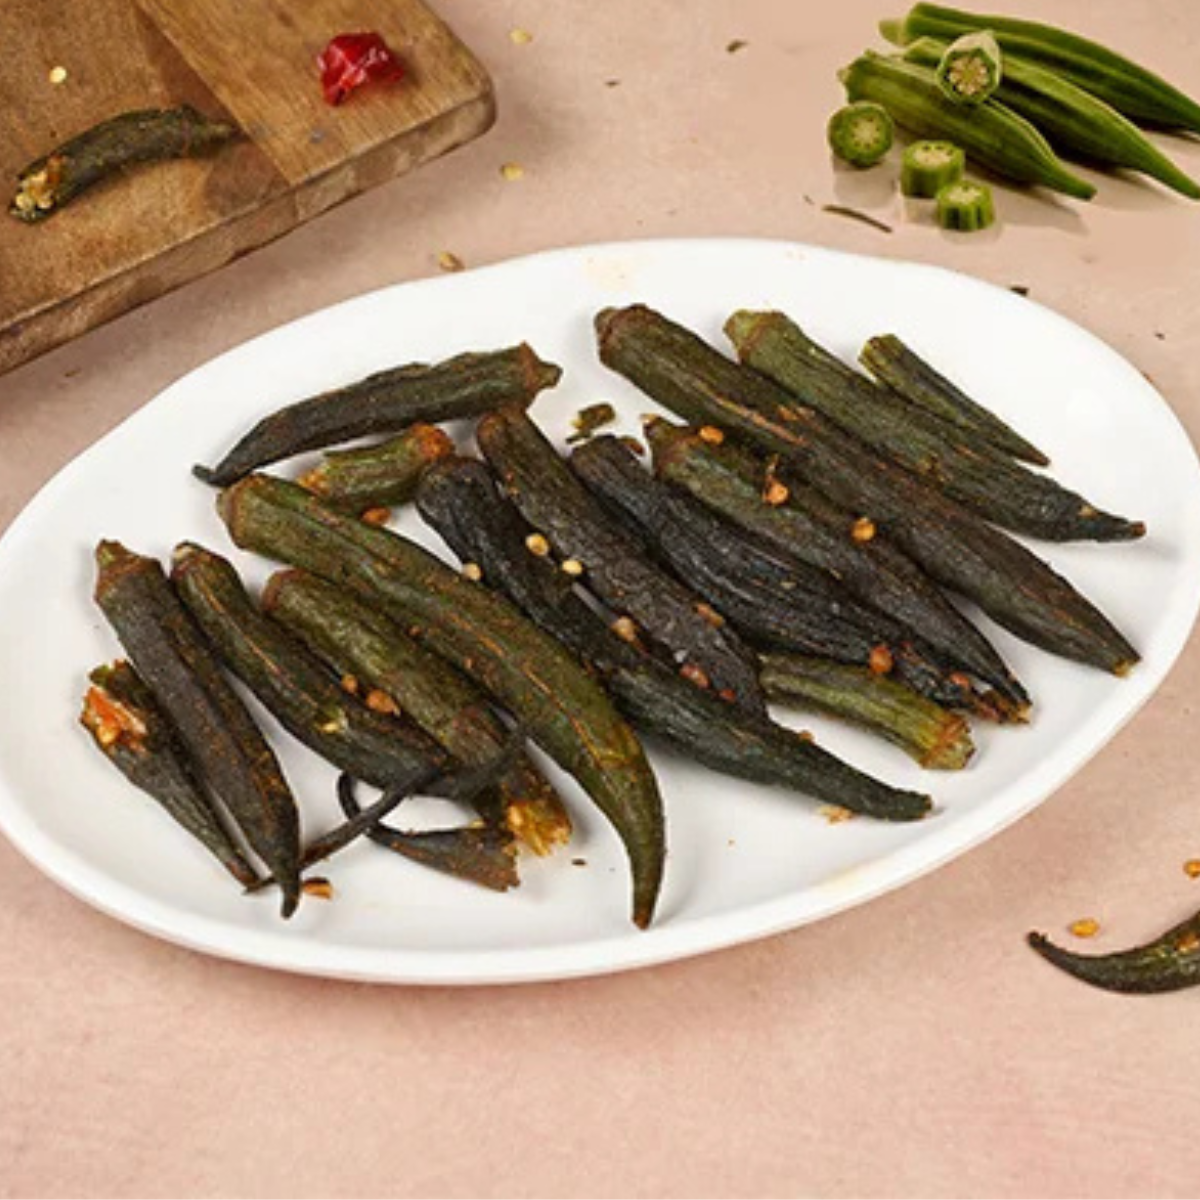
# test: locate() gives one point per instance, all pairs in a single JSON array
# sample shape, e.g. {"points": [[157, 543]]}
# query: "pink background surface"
{"points": [[910, 1047]]}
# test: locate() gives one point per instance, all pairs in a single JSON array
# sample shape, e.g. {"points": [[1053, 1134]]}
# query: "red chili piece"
{"points": [[351, 59]]}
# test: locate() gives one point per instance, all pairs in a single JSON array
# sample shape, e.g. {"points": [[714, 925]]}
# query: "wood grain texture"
{"points": [[252, 61]]}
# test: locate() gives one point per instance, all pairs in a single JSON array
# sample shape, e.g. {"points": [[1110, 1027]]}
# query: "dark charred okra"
{"points": [[772, 598], [459, 499], [381, 748], [986, 481], [960, 551], [908, 375], [480, 854], [556, 504], [130, 730], [588, 420], [545, 689], [386, 402], [379, 659], [1169, 963], [108, 149], [800, 522], [226, 748], [379, 476], [938, 739]]}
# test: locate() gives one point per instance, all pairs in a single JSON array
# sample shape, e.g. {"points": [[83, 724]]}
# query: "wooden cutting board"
{"points": [[250, 61]]}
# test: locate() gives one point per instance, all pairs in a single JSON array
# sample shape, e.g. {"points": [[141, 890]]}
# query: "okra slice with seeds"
{"points": [[970, 69], [228, 751], [926, 168], [529, 673], [860, 134], [358, 642], [966, 206], [460, 500], [958, 550], [386, 402], [108, 150], [131, 731], [618, 569]]}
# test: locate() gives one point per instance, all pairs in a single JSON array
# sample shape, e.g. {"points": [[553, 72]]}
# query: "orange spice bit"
{"points": [[1187, 943], [1191, 868], [710, 614], [634, 445], [806, 735], [880, 660], [449, 262], [472, 571], [109, 721], [380, 702], [512, 171], [314, 481], [863, 530], [350, 684], [572, 567], [318, 886], [835, 814], [959, 679], [728, 695], [536, 543], [1085, 927], [712, 435], [625, 629], [376, 516], [696, 675], [775, 493]]}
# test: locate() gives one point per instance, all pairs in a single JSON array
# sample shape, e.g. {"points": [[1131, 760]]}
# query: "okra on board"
{"points": [[619, 571], [960, 551], [986, 481], [130, 730], [386, 402], [459, 499], [537, 680], [227, 749]]}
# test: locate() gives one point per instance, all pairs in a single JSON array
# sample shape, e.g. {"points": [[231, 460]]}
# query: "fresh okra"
{"points": [[107, 150], [1133, 90], [563, 709], [990, 134], [798, 521], [1077, 122], [557, 505], [386, 402], [860, 134], [938, 739], [990, 483], [379, 476], [378, 658], [967, 206], [970, 70], [926, 168], [226, 748], [908, 375], [956, 548], [459, 499], [130, 730]]}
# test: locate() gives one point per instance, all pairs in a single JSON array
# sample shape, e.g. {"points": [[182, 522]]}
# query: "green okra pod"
{"points": [[378, 658], [1076, 122], [900, 368], [799, 521], [564, 710], [226, 748], [936, 738], [1169, 963], [988, 482], [131, 731], [557, 505], [459, 499], [956, 548], [381, 748], [386, 402], [1131, 89], [108, 150], [481, 854], [991, 134], [378, 476]]}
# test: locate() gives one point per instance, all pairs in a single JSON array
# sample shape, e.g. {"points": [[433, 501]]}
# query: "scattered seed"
{"points": [[806, 735], [835, 814], [572, 567], [1019, 288], [736, 45], [1191, 868], [512, 171], [318, 886], [710, 614], [775, 493], [58, 75], [376, 516], [520, 37], [579, 862], [448, 261], [536, 543], [695, 674], [1085, 927], [350, 684], [880, 660], [863, 530], [712, 435], [472, 571], [612, 83], [1158, 333], [625, 629], [380, 702]]}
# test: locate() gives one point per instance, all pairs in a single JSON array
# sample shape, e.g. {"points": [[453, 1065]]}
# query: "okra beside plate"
{"points": [[743, 860]]}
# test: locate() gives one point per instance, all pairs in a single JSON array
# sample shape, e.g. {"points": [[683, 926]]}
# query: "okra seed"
{"points": [[537, 544], [472, 571], [572, 567], [863, 530]]}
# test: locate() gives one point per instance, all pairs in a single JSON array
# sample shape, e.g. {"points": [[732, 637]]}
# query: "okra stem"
{"points": [[386, 402]]}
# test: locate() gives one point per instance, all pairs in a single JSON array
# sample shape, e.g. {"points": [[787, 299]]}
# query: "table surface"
{"points": [[913, 1046]]}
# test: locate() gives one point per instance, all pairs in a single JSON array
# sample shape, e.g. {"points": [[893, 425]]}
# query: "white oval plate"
{"points": [[744, 861]]}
